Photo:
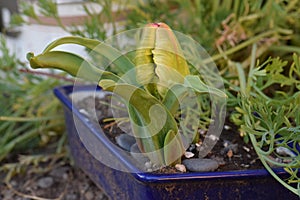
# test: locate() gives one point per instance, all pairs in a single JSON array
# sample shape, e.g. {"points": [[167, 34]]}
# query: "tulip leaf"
{"points": [[151, 121], [173, 148], [123, 63], [71, 63]]}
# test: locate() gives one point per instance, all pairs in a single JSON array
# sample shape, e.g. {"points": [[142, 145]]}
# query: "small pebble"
{"points": [[148, 165], [245, 165], [202, 132], [192, 147], [226, 127], [253, 161], [200, 165], [229, 146], [229, 153], [45, 182], [213, 137], [188, 154], [89, 195], [198, 144], [246, 149], [84, 112], [180, 167], [125, 141], [226, 143]]}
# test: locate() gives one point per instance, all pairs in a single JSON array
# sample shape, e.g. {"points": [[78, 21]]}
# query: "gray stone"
{"points": [[200, 165], [125, 141], [45, 182]]}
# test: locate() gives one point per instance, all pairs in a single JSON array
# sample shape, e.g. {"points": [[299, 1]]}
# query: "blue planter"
{"points": [[135, 184]]}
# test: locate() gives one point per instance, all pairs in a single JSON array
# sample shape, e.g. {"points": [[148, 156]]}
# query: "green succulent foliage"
{"points": [[152, 117], [268, 114], [272, 126]]}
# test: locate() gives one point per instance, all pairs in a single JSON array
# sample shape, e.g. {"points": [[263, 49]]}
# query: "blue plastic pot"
{"points": [[246, 184]]}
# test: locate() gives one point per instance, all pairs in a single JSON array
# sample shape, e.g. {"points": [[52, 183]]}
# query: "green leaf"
{"points": [[173, 148], [71, 63], [150, 119], [199, 86], [122, 62], [242, 77]]}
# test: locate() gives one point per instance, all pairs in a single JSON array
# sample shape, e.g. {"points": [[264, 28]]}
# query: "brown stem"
{"points": [[47, 74]]}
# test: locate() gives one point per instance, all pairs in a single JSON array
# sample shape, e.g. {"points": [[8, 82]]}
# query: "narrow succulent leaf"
{"points": [[122, 62], [242, 78], [150, 146], [151, 121], [173, 148], [194, 82], [173, 97], [154, 113], [71, 63], [175, 93]]}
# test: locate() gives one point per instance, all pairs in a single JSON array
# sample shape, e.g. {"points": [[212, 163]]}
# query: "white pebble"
{"points": [[202, 132], [226, 127], [180, 167], [188, 154], [148, 165], [213, 137], [83, 111], [246, 148]]}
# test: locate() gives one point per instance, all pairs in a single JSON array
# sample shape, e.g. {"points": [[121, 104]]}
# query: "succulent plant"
{"points": [[151, 84]]}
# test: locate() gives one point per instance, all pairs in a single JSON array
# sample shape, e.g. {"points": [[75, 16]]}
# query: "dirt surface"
{"points": [[60, 183]]}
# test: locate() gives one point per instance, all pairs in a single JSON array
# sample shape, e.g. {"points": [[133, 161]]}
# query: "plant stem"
{"points": [[250, 74], [47, 74], [27, 119], [245, 44], [295, 49], [255, 145]]}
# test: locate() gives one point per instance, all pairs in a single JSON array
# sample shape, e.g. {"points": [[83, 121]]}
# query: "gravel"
{"points": [[62, 182]]}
